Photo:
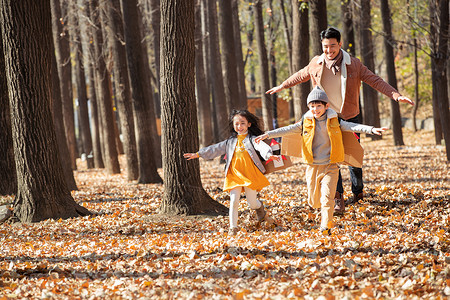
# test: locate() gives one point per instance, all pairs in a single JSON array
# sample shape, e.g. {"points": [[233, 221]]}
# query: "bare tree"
{"points": [[145, 121], [228, 54], [42, 191], [319, 22], [62, 51], [216, 73], [267, 110], [300, 54], [348, 32], [370, 97], [183, 193], [396, 117], [238, 51], [114, 28]]}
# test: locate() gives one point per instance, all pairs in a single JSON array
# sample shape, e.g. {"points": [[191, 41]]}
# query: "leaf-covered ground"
{"points": [[395, 244]]}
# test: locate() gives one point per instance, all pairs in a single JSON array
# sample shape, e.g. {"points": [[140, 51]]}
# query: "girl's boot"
{"points": [[261, 215]]}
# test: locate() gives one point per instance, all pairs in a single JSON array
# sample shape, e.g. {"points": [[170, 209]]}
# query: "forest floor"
{"points": [[394, 244]]}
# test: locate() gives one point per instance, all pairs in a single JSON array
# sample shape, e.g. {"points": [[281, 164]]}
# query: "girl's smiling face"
{"points": [[240, 124]]}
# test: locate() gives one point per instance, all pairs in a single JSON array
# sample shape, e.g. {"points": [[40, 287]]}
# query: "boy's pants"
{"points": [[321, 183], [235, 196]]}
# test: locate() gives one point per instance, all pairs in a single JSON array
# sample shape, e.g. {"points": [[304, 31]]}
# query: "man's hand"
{"points": [[275, 90], [405, 99]]}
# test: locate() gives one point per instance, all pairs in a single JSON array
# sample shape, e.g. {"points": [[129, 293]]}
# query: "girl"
{"points": [[244, 169]]}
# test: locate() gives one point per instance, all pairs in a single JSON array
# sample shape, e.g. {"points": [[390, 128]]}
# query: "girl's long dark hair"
{"points": [[256, 123]]}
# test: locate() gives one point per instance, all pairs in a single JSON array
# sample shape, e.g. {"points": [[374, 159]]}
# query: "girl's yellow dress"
{"points": [[242, 171]]}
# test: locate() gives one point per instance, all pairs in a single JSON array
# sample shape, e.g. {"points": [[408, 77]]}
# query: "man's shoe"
{"points": [[339, 206], [357, 197]]}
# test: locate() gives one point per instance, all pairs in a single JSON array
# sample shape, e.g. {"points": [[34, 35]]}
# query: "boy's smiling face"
{"points": [[318, 108]]}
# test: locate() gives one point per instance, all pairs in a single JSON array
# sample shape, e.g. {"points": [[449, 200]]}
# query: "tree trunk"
{"points": [[123, 99], [62, 52], [348, 33], [273, 64], [203, 105], [142, 99], [288, 41], [396, 117], [104, 97], [239, 58], [8, 179], [441, 60], [438, 133], [416, 85], [216, 74], [42, 191], [371, 112], [228, 55], [59, 128], [155, 17], [266, 102], [300, 54], [319, 22], [80, 82], [183, 193]]}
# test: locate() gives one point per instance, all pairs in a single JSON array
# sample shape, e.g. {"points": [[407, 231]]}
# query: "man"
{"points": [[340, 76]]}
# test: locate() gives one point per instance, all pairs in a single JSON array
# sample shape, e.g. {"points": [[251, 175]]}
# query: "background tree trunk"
{"points": [[348, 33], [272, 63], [59, 128], [396, 118], [80, 82], [123, 99], [228, 55], [104, 97], [440, 63], [62, 52], [216, 74], [239, 58], [42, 191], [8, 179], [300, 56], [144, 114], [267, 111], [371, 112], [183, 192], [319, 22], [203, 104]]}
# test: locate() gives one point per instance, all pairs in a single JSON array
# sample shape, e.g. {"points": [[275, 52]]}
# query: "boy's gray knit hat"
{"points": [[317, 94]]}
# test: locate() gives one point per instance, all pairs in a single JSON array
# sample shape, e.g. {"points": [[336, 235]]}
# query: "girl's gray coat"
{"points": [[228, 146]]}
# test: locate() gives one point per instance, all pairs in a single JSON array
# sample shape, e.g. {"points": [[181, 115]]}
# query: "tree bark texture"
{"points": [[183, 193], [228, 55], [319, 22], [42, 191], [266, 101], [440, 57], [239, 58], [59, 128], [62, 52], [123, 98], [203, 103], [348, 32], [371, 112], [80, 83], [396, 118], [142, 99], [300, 57], [8, 179], [216, 74], [104, 97]]}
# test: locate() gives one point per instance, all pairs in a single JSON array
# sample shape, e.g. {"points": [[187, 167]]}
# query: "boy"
{"points": [[322, 149]]}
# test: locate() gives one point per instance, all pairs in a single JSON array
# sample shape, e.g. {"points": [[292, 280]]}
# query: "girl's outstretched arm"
{"points": [[190, 156]]}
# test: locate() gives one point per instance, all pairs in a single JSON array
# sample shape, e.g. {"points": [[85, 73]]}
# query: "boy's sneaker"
{"points": [[233, 231], [339, 206]]}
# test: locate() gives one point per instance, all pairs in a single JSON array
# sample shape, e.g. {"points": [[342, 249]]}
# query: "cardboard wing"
{"points": [[353, 152]]}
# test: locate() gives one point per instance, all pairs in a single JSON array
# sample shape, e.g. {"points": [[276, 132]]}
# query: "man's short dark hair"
{"points": [[330, 33]]}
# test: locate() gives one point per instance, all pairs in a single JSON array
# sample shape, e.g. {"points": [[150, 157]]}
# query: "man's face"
{"points": [[331, 47]]}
